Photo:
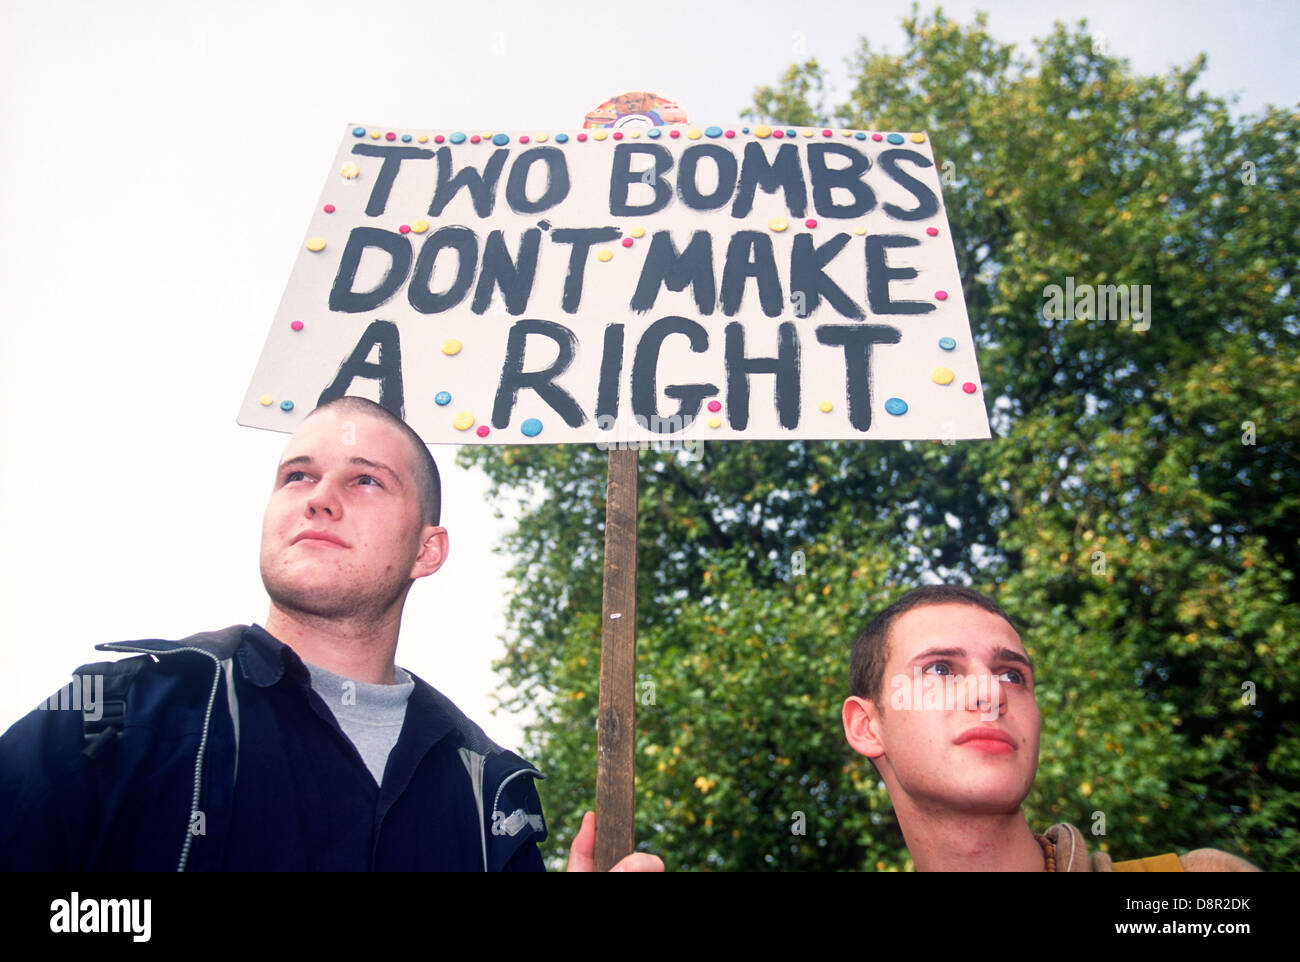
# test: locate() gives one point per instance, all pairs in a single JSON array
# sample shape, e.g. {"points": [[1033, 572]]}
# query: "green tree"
{"points": [[1138, 509]]}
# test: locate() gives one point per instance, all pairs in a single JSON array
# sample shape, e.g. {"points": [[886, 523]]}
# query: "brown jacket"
{"points": [[1071, 853]]}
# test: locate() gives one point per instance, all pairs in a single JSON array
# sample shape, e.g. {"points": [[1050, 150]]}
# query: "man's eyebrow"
{"points": [[1001, 654], [306, 460]]}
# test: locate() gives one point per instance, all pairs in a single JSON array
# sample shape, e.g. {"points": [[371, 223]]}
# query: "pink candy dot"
{"points": [[582, 136], [715, 406], [481, 430], [474, 138], [778, 134], [968, 387], [810, 223], [932, 231], [328, 208], [940, 295], [729, 133], [877, 136], [627, 242], [296, 325], [405, 228], [523, 138], [826, 133], [674, 133], [390, 136], [438, 138], [618, 135]]}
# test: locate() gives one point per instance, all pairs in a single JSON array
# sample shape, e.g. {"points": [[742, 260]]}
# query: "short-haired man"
{"points": [[299, 745], [942, 703]]}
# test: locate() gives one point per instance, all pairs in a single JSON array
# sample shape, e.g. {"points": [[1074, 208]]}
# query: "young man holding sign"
{"points": [[943, 705], [299, 745]]}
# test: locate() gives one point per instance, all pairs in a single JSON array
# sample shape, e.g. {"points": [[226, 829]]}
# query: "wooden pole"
{"points": [[616, 716]]}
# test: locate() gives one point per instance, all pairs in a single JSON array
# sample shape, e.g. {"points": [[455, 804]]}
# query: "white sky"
{"points": [[160, 162]]}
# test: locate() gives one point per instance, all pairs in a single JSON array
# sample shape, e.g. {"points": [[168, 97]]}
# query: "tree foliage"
{"points": [[1138, 509]]}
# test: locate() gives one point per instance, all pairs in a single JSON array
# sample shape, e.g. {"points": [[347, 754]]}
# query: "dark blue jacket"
{"points": [[216, 754]]}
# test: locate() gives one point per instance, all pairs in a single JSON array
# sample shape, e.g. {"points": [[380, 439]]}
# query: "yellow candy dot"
{"points": [[374, 135], [778, 224], [604, 255], [315, 243], [349, 171], [846, 133], [451, 346], [859, 231], [918, 138], [634, 134], [265, 400], [463, 421], [420, 226], [541, 138], [806, 133], [422, 139], [486, 134], [637, 232], [941, 375], [693, 134], [763, 131], [715, 422], [825, 406], [599, 135]]}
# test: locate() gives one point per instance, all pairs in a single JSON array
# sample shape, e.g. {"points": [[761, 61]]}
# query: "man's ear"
{"points": [[433, 551], [862, 726]]}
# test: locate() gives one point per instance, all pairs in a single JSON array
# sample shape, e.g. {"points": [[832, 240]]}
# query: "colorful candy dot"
{"points": [[523, 138], [482, 430], [451, 346], [442, 398], [654, 133], [825, 407], [474, 138], [420, 226], [744, 130], [604, 255], [541, 138], [266, 399], [810, 223], [826, 133], [729, 133], [531, 428], [763, 132], [500, 139], [315, 243], [617, 135], [693, 134], [778, 134], [948, 343], [968, 387], [438, 138], [790, 132], [941, 375], [561, 138], [406, 138], [404, 229], [458, 138], [328, 208], [422, 139], [674, 133], [940, 295], [286, 405], [582, 137], [895, 138], [715, 406], [896, 405], [390, 136], [637, 232], [600, 135], [918, 138], [932, 231], [463, 421], [358, 131], [860, 135], [715, 422], [350, 171], [296, 325], [777, 224], [806, 133], [859, 231], [713, 131], [627, 242], [877, 136], [374, 135]]}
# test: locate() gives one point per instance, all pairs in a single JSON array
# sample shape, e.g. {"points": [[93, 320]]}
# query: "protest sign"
{"points": [[609, 286]]}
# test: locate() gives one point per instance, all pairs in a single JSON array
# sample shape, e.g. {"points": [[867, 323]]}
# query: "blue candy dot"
{"points": [[654, 133], [531, 428], [286, 405], [860, 136], [406, 138], [500, 139], [948, 343], [792, 132], [712, 131], [358, 131], [442, 398], [896, 405], [744, 130], [895, 138], [561, 138], [457, 138]]}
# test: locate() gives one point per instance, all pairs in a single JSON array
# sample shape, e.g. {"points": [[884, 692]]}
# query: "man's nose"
{"points": [[325, 501], [984, 694]]}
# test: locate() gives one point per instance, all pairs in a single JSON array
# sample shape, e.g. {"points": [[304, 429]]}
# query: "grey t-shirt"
{"points": [[370, 715]]}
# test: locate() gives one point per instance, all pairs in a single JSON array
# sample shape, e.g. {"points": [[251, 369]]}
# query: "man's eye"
{"points": [[294, 476], [368, 479], [939, 668], [1012, 676]]}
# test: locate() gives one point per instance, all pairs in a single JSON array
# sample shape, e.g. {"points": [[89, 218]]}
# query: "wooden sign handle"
{"points": [[616, 715]]}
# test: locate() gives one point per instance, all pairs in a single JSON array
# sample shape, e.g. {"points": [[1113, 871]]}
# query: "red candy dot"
{"points": [[877, 136], [390, 136], [405, 228], [296, 325], [932, 231], [618, 135], [674, 133], [474, 138], [582, 136], [328, 208], [810, 222], [523, 138], [826, 133], [438, 138], [715, 406], [627, 242], [729, 133], [968, 387], [482, 430], [778, 134], [940, 295]]}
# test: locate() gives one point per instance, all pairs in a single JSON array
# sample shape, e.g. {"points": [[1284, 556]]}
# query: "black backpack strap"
{"points": [[117, 677]]}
